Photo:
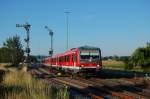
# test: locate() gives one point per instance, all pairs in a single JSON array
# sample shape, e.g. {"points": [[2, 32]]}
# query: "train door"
{"points": [[74, 59]]}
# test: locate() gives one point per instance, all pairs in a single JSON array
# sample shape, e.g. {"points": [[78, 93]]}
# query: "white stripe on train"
{"points": [[72, 67]]}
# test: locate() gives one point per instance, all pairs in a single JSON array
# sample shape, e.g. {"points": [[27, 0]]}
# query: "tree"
{"points": [[5, 55], [17, 53], [115, 57], [141, 57], [33, 59]]}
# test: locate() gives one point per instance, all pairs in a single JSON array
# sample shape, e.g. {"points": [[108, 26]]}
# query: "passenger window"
{"points": [[74, 58]]}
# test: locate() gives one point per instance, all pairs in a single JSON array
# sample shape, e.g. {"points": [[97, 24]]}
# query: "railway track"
{"points": [[97, 88], [113, 88], [124, 88]]}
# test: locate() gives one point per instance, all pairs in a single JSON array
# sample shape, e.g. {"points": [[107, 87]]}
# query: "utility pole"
{"points": [[51, 34], [26, 26], [67, 25]]}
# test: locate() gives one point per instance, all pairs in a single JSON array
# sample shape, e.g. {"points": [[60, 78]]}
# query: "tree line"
{"points": [[116, 58], [12, 52]]}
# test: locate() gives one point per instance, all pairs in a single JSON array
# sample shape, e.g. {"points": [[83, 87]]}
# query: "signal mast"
{"points": [[26, 26], [51, 33]]}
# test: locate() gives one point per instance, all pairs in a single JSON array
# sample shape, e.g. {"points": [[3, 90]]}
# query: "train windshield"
{"points": [[90, 56]]}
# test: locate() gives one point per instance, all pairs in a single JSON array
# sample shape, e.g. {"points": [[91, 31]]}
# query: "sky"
{"points": [[118, 27]]}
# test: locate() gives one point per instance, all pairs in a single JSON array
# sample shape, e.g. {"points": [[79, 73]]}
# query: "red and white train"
{"points": [[84, 58]]}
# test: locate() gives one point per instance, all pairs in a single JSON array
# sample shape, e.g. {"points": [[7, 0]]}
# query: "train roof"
{"points": [[80, 48], [74, 49], [88, 47]]}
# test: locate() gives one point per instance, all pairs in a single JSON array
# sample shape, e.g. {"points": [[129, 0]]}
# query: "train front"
{"points": [[89, 59]]}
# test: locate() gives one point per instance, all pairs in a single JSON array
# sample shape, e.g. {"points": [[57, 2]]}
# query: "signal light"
{"points": [[82, 65]]}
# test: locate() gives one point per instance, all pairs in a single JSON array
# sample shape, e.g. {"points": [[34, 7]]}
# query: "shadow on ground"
{"points": [[108, 73]]}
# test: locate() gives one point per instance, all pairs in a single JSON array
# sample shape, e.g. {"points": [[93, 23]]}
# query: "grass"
{"points": [[21, 85], [5, 64], [111, 64], [119, 65]]}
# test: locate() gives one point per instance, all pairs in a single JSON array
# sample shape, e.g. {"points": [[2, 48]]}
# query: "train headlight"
{"points": [[98, 65]]}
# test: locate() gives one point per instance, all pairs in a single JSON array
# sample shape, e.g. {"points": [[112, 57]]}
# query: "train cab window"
{"points": [[90, 56], [94, 55]]}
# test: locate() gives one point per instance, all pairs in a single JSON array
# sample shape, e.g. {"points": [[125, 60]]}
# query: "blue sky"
{"points": [[118, 27]]}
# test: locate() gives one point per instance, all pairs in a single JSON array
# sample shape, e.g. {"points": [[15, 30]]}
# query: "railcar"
{"points": [[81, 59]]}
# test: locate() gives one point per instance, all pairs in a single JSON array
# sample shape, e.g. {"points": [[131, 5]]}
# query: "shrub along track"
{"points": [[98, 88]]}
